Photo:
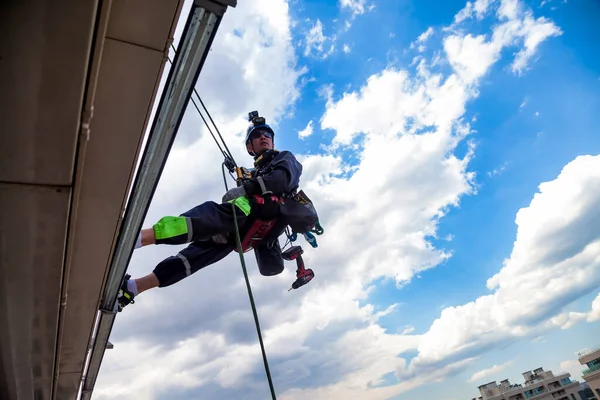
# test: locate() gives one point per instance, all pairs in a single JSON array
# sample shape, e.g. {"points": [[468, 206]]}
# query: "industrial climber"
{"points": [[266, 202]]}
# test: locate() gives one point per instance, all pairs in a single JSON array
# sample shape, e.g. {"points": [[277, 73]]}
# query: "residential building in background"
{"points": [[538, 385], [591, 359], [585, 392]]}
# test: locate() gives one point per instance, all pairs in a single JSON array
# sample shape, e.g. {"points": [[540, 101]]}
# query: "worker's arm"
{"points": [[283, 177]]}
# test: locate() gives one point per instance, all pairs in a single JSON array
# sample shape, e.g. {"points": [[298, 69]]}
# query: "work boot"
{"points": [[125, 296]]}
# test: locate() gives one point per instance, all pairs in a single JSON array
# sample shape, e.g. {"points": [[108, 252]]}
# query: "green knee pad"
{"points": [[243, 204], [173, 230]]}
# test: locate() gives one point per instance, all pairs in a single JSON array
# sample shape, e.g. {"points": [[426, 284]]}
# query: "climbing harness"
{"points": [[262, 225]]}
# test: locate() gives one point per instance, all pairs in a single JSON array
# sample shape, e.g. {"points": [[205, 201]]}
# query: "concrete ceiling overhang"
{"points": [[78, 80], [77, 83]]}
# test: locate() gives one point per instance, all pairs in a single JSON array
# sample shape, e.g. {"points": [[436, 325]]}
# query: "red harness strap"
{"points": [[260, 228]]}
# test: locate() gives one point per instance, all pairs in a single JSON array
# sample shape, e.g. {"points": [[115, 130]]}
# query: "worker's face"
{"points": [[259, 142]]}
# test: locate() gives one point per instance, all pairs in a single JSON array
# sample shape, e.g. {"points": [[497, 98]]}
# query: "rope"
{"points": [[238, 240], [254, 312], [225, 154]]}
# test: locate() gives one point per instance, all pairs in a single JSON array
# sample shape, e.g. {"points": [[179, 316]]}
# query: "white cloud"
{"points": [[489, 372], [408, 329], [509, 9], [392, 102], [361, 386], [315, 40], [555, 256], [539, 339], [497, 171], [573, 367], [256, 68], [306, 132], [535, 32], [472, 55], [425, 35], [346, 49], [421, 39], [523, 104], [356, 6], [569, 319], [594, 313], [479, 9]]}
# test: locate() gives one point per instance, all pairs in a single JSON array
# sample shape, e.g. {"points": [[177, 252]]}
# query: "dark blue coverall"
{"points": [[280, 172]]}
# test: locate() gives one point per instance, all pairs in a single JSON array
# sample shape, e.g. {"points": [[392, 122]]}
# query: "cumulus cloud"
{"points": [[555, 257], [573, 367], [497, 171], [421, 39], [485, 373], [316, 41], [477, 9], [594, 314], [537, 31], [425, 35], [569, 319], [356, 6], [306, 132], [473, 55], [408, 329], [325, 341]]}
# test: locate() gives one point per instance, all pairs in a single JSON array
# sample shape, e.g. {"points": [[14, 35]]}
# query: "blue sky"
{"points": [[432, 127]]}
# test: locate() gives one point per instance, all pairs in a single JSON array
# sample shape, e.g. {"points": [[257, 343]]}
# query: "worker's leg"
{"points": [[189, 260], [200, 223], [175, 268], [146, 282]]}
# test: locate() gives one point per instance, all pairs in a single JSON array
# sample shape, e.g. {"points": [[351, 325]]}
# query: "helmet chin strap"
{"points": [[255, 154]]}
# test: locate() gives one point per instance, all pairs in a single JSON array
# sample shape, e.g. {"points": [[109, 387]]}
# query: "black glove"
{"points": [[234, 193]]}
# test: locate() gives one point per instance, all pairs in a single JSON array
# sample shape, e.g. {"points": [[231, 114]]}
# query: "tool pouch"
{"points": [[299, 212]]}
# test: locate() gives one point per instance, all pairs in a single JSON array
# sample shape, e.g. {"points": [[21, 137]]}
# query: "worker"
{"points": [[209, 228]]}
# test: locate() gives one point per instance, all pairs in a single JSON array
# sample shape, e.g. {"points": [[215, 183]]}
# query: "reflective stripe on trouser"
{"points": [[200, 223], [202, 254], [189, 260], [209, 219]]}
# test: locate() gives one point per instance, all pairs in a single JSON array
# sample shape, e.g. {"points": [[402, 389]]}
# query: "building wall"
{"points": [[594, 382], [540, 385], [591, 374]]}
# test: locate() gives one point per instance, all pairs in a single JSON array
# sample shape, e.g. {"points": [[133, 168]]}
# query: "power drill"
{"points": [[303, 275]]}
